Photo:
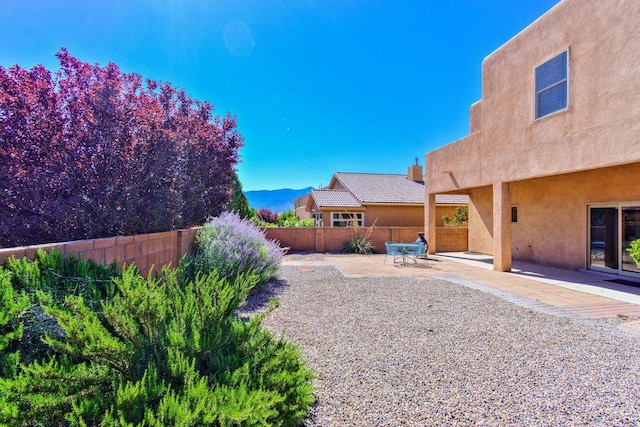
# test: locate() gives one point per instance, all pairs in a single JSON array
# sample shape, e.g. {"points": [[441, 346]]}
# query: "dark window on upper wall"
{"points": [[514, 214], [552, 83]]}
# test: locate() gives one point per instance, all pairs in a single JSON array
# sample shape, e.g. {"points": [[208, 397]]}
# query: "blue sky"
{"points": [[318, 86]]}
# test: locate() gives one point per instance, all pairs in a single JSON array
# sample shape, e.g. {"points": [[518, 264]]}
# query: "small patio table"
{"points": [[408, 250]]}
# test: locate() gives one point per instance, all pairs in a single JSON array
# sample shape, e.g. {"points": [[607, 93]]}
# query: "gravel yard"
{"points": [[391, 351]]}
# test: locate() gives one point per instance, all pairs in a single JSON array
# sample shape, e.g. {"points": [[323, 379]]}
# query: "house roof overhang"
{"points": [[331, 199], [394, 204]]}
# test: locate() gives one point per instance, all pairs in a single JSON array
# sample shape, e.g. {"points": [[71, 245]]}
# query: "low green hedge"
{"points": [[152, 351]]}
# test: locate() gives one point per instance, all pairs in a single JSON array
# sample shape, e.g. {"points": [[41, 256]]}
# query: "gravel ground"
{"points": [[392, 351]]}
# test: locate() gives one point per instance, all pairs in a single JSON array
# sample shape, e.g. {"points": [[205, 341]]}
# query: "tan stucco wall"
{"points": [[300, 207], [552, 212], [394, 216], [603, 39], [475, 117], [387, 216], [550, 167], [452, 239], [328, 239], [301, 213], [481, 220]]}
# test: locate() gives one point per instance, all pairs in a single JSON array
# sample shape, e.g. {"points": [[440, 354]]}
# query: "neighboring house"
{"points": [[362, 199], [552, 162], [300, 207]]}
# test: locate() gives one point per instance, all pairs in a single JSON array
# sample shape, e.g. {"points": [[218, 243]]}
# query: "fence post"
{"points": [[320, 239]]}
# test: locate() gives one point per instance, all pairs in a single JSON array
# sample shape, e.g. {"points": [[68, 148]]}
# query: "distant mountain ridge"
{"points": [[276, 200]]}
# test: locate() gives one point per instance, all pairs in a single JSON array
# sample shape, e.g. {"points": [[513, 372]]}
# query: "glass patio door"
{"points": [[603, 238], [611, 231]]}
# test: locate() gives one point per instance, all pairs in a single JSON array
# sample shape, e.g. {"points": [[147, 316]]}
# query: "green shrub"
{"points": [[460, 216], [634, 251], [358, 245], [160, 352], [23, 327], [63, 275], [231, 246], [289, 219], [13, 304]]}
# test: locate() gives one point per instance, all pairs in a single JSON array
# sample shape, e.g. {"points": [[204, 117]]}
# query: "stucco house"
{"points": [[552, 161], [388, 200], [300, 207]]}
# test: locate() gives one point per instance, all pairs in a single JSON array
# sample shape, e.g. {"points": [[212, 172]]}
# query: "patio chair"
{"points": [[423, 240], [393, 251], [424, 255], [419, 253]]}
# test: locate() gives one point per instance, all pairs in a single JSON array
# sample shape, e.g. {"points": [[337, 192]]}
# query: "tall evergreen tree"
{"points": [[238, 202]]}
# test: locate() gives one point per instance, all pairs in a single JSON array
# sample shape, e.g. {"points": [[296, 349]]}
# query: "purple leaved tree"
{"points": [[92, 152]]}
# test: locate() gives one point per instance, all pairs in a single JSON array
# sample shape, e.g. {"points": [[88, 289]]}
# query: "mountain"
{"points": [[276, 200]]}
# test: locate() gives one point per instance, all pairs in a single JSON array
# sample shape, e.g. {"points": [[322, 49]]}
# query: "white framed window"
{"points": [[317, 217], [347, 219], [552, 85]]}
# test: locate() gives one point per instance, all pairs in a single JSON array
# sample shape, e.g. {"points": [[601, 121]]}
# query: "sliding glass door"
{"points": [[604, 237], [611, 230]]}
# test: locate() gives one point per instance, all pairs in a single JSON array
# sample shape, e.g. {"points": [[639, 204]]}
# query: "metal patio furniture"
{"points": [[394, 250]]}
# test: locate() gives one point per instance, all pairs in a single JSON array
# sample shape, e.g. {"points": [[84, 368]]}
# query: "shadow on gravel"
{"points": [[258, 299]]}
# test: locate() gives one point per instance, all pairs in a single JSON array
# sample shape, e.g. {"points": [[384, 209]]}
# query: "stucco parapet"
{"points": [[475, 117], [455, 166], [524, 33]]}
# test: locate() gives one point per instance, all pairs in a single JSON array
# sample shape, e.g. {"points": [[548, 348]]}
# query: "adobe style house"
{"points": [[552, 161], [300, 207], [388, 200]]}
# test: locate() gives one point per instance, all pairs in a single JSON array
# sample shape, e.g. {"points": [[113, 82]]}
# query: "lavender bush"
{"points": [[232, 246]]}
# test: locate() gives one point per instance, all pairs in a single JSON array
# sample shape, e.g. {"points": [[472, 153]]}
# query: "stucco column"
{"points": [[430, 221], [501, 227]]}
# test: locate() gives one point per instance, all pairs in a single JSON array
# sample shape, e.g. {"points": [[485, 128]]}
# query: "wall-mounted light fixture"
{"points": [[446, 172]]}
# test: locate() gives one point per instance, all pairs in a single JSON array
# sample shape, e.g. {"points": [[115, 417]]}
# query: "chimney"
{"points": [[415, 172]]}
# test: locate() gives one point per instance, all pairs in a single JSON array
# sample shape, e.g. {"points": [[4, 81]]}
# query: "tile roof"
{"points": [[381, 188], [334, 198], [354, 190], [452, 199]]}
